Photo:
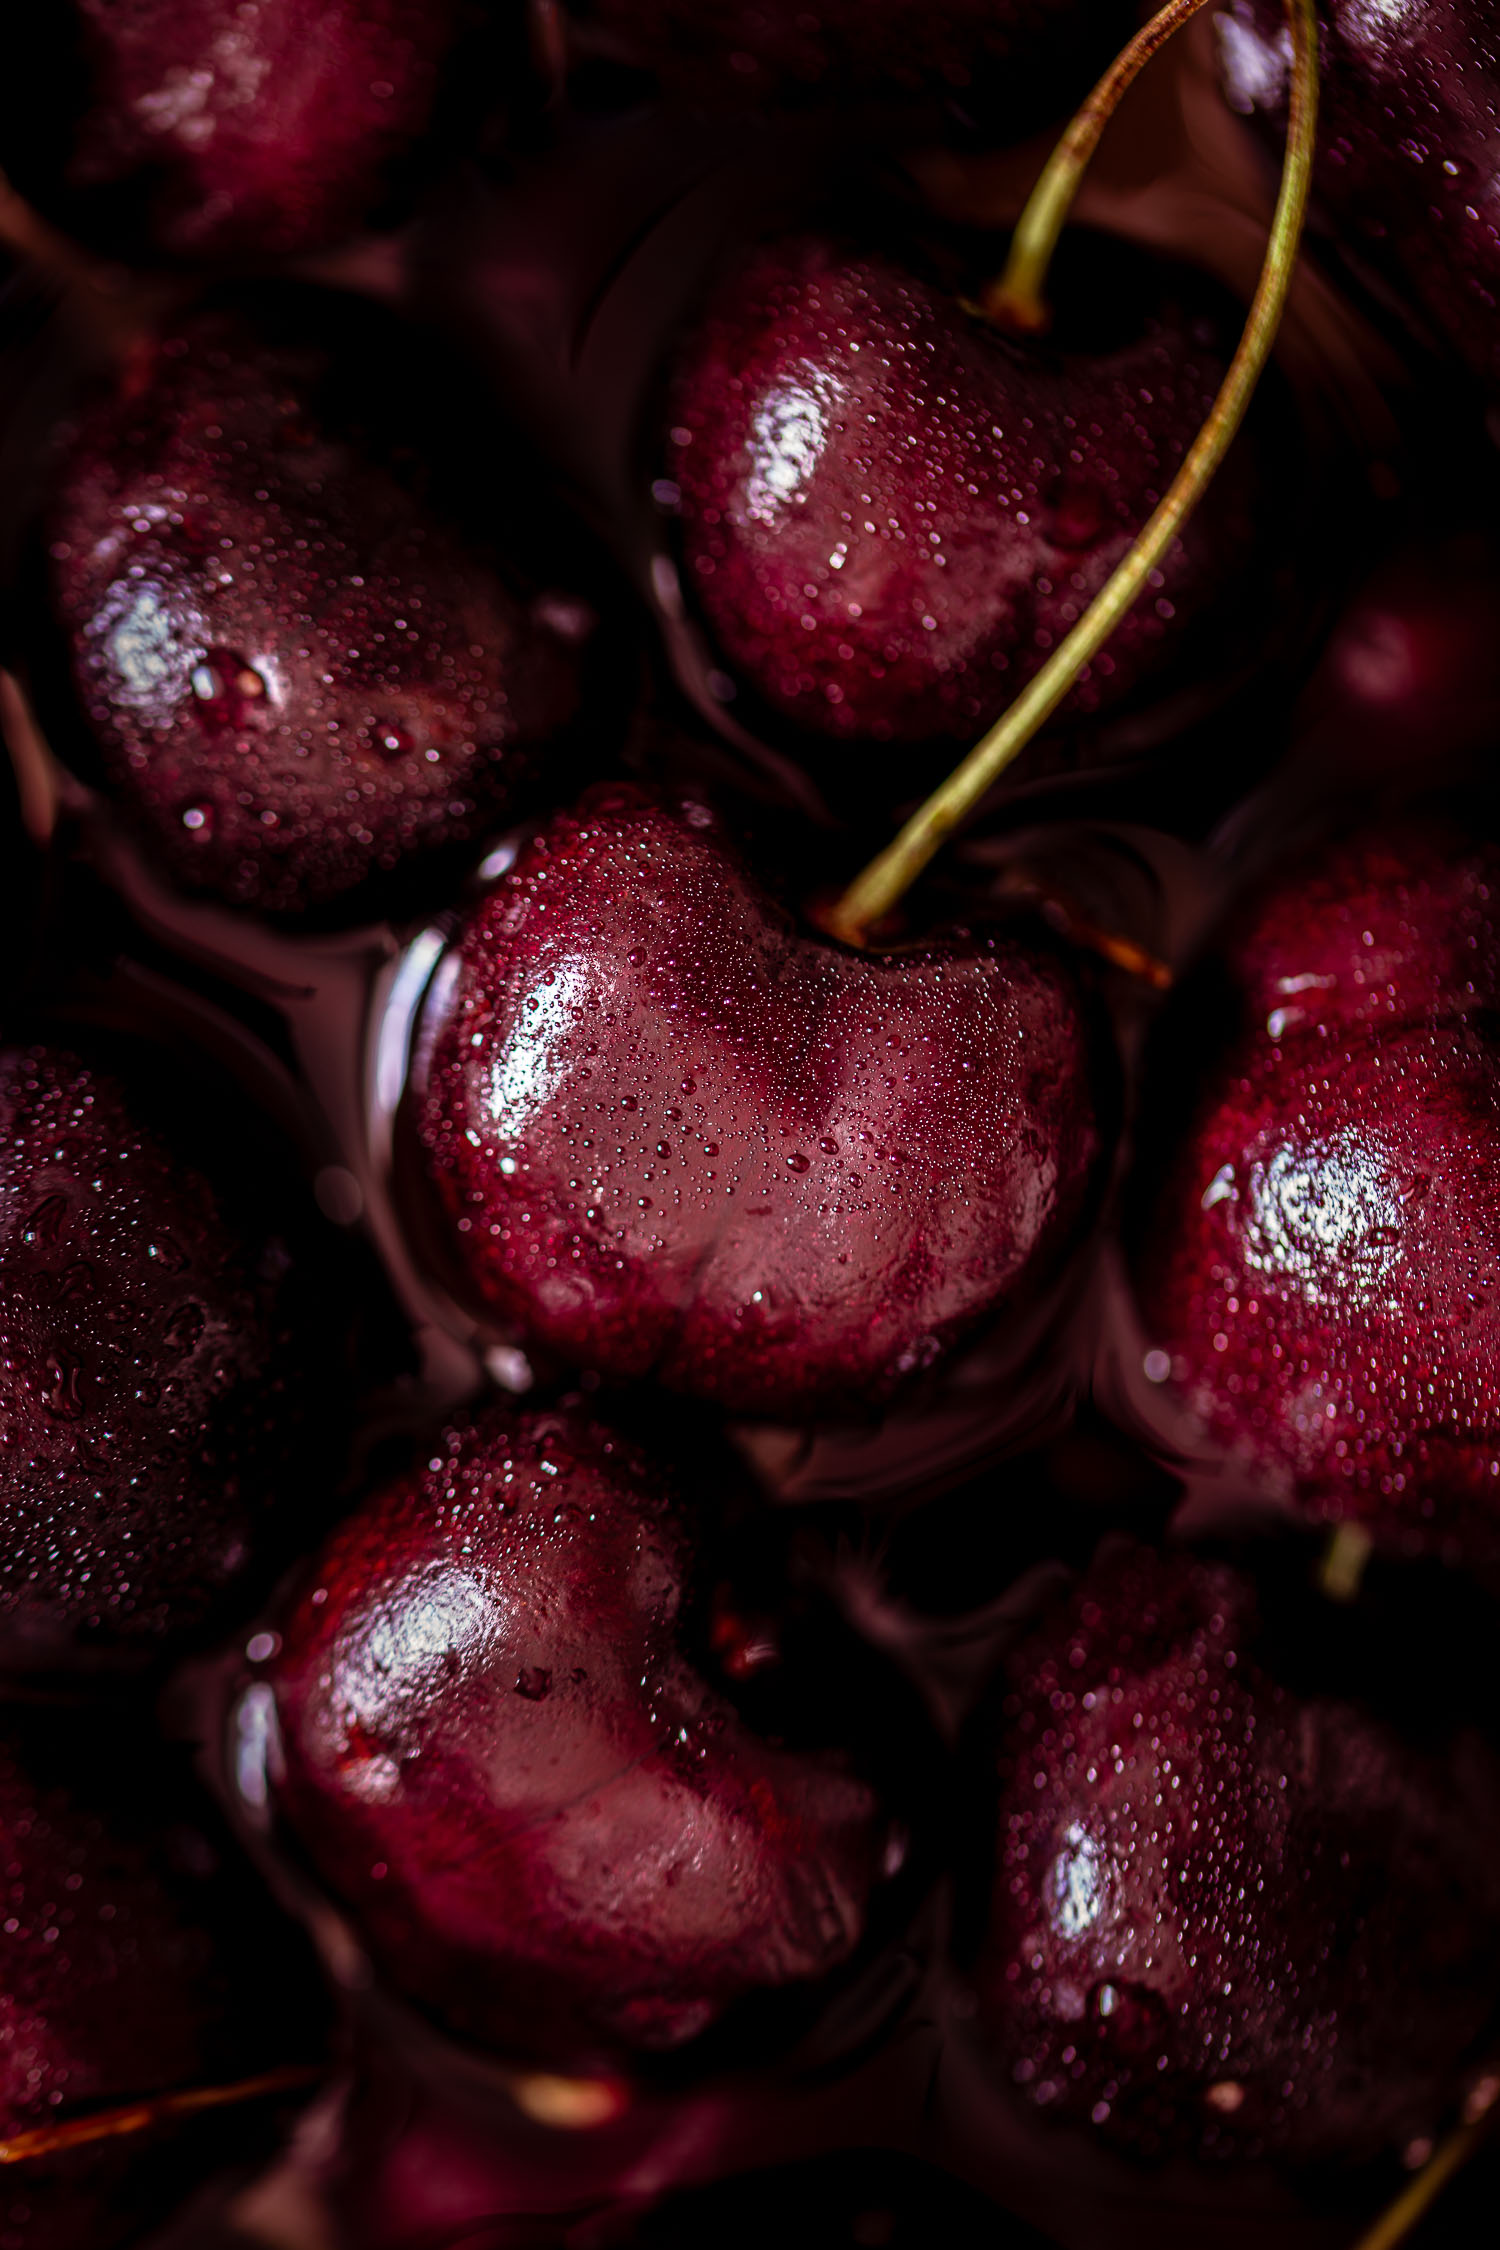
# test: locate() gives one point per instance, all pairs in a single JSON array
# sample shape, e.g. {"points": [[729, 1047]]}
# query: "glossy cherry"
{"points": [[203, 129], [1318, 1266], [1230, 1913], [1409, 115], [509, 1742], [892, 513], [677, 1136], [299, 677], [136, 1960], [154, 1363], [1003, 67]]}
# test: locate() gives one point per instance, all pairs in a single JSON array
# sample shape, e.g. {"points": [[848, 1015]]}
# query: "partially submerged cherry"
{"points": [[891, 513], [300, 677], [677, 1136], [1410, 135], [207, 130], [137, 1964], [155, 1361], [508, 1739], [1001, 64], [1316, 1266], [1229, 1913]]}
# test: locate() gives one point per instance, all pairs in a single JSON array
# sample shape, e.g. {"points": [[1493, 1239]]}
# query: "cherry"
{"points": [[154, 1354], [1318, 1263], [136, 1961], [1409, 134], [891, 513], [678, 1137], [202, 129], [300, 677], [1229, 1913], [509, 1745], [1003, 65]]}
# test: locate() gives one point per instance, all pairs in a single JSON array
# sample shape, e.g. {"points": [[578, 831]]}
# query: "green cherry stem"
{"points": [[874, 894], [1414, 2202], [157, 2109]]}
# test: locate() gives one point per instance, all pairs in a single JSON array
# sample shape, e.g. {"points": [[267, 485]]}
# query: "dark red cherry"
{"points": [[892, 514], [299, 677], [1005, 65], [204, 129], [154, 1364], [1230, 1913], [510, 1746], [679, 1137], [1319, 1267], [1409, 139], [136, 1961]]}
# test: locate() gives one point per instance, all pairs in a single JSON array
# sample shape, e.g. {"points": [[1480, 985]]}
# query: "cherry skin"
{"points": [[136, 1961], [205, 130], [677, 1137], [1006, 66], [1318, 1264], [1409, 138], [891, 514], [498, 1746], [300, 679], [151, 1364], [1228, 1916]]}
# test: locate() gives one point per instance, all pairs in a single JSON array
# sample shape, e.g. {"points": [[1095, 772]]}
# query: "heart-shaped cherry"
{"points": [[1408, 144], [202, 129], [1318, 1267], [501, 1744], [1228, 1912], [1004, 65], [891, 513], [679, 1137], [155, 1359], [136, 1961], [300, 677]]}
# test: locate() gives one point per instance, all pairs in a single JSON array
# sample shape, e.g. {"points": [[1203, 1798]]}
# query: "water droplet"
{"points": [[62, 1396], [799, 1162]]}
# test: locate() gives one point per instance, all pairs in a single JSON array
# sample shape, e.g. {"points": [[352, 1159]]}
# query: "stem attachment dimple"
{"points": [[1015, 301], [888, 877]]}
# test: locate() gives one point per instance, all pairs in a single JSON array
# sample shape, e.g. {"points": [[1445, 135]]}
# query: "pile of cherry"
{"points": [[662, 1579]]}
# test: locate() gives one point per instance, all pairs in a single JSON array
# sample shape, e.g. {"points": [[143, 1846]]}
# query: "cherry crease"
{"points": [[499, 1748], [1320, 1261], [675, 1136]]}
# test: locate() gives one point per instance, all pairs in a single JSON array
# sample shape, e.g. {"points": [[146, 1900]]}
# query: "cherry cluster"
{"points": [[681, 1563]]}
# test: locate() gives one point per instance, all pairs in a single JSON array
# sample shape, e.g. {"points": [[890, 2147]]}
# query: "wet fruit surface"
{"points": [[497, 1747], [1227, 1915], [150, 1374], [298, 678], [891, 514], [1410, 137], [678, 1137], [1320, 1265], [205, 129]]}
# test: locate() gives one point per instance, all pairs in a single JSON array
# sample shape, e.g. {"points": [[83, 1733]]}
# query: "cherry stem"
{"points": [[157, 2109], [1414, 2202], [873, 894], [1016, 300]]}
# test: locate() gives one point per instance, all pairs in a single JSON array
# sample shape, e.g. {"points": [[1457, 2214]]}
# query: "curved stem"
{"points": [[885, 881], [156, 2109], [1015, 300]]}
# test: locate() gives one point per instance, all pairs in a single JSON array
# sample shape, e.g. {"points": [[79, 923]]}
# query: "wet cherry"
{"points": [[891, 514], [678, 1137], [499, 1741], [299, 678], [1318, 1266], [202, 129], [154, 1365], [1410, 134], [1228, 1914]]}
